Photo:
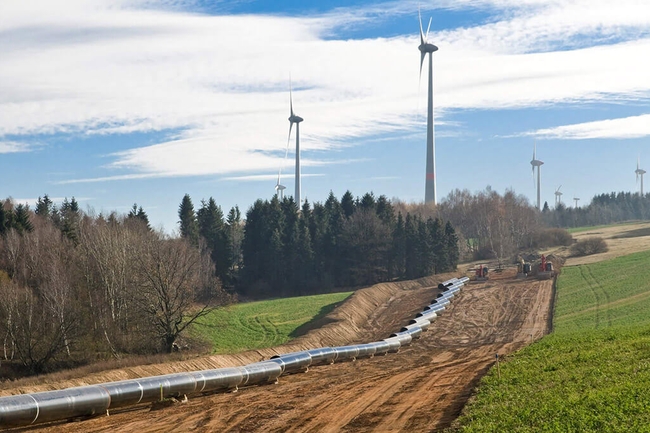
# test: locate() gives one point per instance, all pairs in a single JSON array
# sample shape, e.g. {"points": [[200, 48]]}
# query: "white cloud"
{"points": [[628, 127], [13, 147], [108, 67]]}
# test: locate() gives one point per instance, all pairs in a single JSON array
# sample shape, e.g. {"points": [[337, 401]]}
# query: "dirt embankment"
{"points": [[422, 388]]}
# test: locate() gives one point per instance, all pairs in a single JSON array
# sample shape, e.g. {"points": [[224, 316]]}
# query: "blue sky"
{"points": [[118, 102]]}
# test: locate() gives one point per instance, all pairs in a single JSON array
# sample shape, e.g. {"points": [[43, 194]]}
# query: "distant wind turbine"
{"points": [[430, 182], [558, 196], [537, 163], [577, 199], [639, 173], [295, 119]]}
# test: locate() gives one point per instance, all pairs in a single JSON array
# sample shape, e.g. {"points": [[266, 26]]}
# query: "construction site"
{"points": [[423, 387]]}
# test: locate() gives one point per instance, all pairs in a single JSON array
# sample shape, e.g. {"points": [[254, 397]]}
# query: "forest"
{"points": [[78, 286]]}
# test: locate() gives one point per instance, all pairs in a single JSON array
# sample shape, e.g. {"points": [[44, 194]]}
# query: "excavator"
{"points": [[545, 271]]}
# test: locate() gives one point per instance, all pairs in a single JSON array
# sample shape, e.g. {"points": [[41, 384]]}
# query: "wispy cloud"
{"points": [[628, 127], [14, 147], [127, 66], [267, 177]]}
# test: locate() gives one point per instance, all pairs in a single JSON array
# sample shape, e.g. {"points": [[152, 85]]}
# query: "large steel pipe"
{"points": [[53, 405], [381, 347], [17, 410], [393, 345], [415, 332], [422, 321], [216, 380], [322, 355], [294, 362], [403, 338], [260, 373], [83, 401], [366, 350], [441, 302], [433, 312], [346, 353], [423, 325], [447, 283]]}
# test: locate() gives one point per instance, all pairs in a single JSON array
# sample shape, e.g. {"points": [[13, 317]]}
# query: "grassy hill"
{"points": [[257, 325], [592, 374]]}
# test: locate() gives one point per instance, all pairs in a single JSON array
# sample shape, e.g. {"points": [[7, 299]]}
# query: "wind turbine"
{"points": [[430, 182], [295, 119], [558, 196], [537, 163], [577, 199], [639, 173]]}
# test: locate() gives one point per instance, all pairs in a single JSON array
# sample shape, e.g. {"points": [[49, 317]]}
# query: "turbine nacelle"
{"points": [[427, 47], [295, 119]]}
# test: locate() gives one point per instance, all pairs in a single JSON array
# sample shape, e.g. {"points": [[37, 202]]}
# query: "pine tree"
{"points": [[347, 204], [4, 219], [21, 220], [234, 238], [44, 206], [187, 220], [68, 219], [398, 249], [385, 210], [451, 247], [213, 230], [139, 214]]}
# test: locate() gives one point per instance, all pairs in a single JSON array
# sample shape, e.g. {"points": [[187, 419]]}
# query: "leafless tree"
{"points": [[170, 274]]}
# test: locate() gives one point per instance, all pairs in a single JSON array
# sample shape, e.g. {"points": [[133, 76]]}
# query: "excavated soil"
{"points": [[421, 388]]}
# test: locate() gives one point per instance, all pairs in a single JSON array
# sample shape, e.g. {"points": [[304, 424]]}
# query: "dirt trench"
{"points": [[422, 388]]}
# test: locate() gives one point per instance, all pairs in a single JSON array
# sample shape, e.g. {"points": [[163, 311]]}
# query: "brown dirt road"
{"points": [[421, 388]]}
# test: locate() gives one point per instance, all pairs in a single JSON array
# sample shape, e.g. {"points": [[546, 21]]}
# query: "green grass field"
{"points": [[256, 325], [592, 374], [588, 228]]}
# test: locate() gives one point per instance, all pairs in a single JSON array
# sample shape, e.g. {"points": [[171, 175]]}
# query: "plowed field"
{"points": [[421, 388]]}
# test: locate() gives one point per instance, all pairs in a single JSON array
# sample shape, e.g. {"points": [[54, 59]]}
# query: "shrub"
{"points": [[589, 246], [553, 237]]}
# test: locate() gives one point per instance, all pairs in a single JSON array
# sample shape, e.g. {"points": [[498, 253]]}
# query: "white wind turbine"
{"points": [[295, 119], [577, 199], [558, 196], [639, 173], [430, 182], [537, 163]]}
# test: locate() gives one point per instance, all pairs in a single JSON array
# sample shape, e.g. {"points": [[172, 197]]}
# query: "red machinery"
{"points": [[482, 273]]}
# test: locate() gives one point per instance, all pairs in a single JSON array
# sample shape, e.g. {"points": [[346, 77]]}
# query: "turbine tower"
{"points": [[537, 163], [558, 196], [430, 182], [295, 119], [577, 199], [639, 173]]}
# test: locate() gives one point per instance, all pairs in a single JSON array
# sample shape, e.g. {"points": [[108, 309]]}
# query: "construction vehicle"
{"points": [[545, 270], [523, 269], [481, 273]]}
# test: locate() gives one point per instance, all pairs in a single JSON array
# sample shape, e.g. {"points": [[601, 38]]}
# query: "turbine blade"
{"points": [[422, 55], [426, 37], [421, 32], [290, 99], [289, 137]]}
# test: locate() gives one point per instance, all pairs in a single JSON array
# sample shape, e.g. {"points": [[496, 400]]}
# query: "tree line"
{"points": [[282, 250], [76, 286], [603, 209]]}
